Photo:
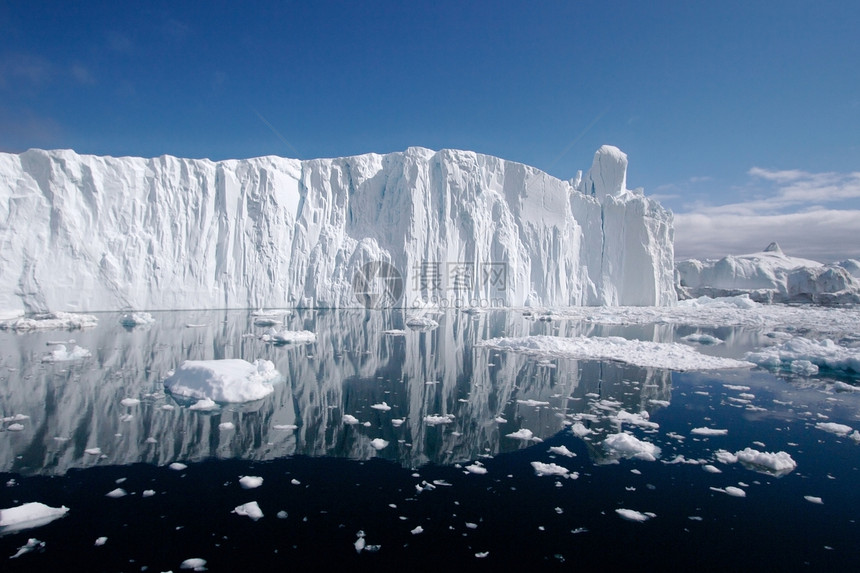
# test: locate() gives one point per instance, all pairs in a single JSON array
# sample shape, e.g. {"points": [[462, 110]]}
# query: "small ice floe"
{"points": [[93, 451], [628, 446], [378, 444], [29, 515], [394, 332], [418, 529], [810, 355], [579, 429], [177, 466], [32, 545], [287, 427], [60, 354], [633, 515], [834, 428], [250, 509], [500, 420], [562, 451], [737, 387], [132, 319], [731, 490], [16, 427], [282, 514], [250, 482], [383, 407], [349, 419], [421, 323], [541, 469], [397, 422], [813, 499], [228, 380], [641, 419], [481, 554], [703, 339], [476, 468], [195, 564], [712, 469], [50, 321], [226, 426], [148, 493], [533, 402], [709, 432], [523, 434], [361, 544], [116, 493], [203, 405], [100, 541], [839, 386], [283, 337], [777, 464], [435, 420], [129, 402]]}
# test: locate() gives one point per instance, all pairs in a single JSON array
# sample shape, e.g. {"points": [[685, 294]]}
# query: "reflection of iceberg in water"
{"points": [[484, 394]]}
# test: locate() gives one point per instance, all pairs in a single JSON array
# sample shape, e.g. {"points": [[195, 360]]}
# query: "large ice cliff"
{"points": [[87, 233]]}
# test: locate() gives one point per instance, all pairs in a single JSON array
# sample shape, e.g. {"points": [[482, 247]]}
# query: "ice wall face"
{"points": [[86, 233]]}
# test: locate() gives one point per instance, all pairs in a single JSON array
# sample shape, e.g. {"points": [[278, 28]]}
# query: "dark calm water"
{"points": [[418, 502]]}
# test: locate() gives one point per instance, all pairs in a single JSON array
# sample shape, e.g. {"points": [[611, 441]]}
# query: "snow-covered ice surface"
{"points": [[226, 380], [432, 439], [272, 232]]}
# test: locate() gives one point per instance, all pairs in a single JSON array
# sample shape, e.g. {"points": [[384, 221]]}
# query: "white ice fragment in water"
{"points": [[476, 468], [116, 493], [250, 482], [148, 493], [29, 515], [177, 466], [130, 402], [418, 529], [16, 427], [633, 515], [628, 446], [204, 404], [813, 499], [640, 419], [282, 514], [500, 420], [579, 429], [227, 380], [481, 554], [562, 451], [100, 541], [522, 434], [709, 432], [60, 354], [725, 457], [195, 563], [31, 545], [383, 407], [435, 420], [711, 469], [532, 403], [834, 428], [542, 469], [731, 490], [292, 337], [285, 427], [397, 422], [226, 426], [778, 463], [378, 443], [133, 319], [93, 451], [250, 509], [350, 419]]}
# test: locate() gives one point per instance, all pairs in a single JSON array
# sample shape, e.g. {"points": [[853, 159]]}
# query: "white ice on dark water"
{"points": [[61, 354], [271, 232], [625, 445], [250, 482], [633, 515], [807, 356], [227, 380], [29, 515], [250, 509]]}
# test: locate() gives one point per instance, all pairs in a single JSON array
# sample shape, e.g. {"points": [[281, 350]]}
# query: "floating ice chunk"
{"points": [[843, 387], [712, 469], [177, 466], [285, 427], [350, 419], [293, 337], [228, 380], [394, 332], [807, 353], [116, 493], [50, 321], [709, 432], [628, 446], [476, 468], [737, 387], [60, 354], [641, 419], [16, 427], [562, 451], [731, 490], [421, 323], [203, 405], [31, 545], [522, 434], [128, 402], [195, 564], [418, 529], [633, 515], [725, 457], [671, 356], [29, 515], [93, 451], [834, 428], [148, 493], [383, 407], [225, 426], [813, 499], [378, 443], [704, 339], [803, 367], [250, 482], [542, 469], [435, 420], [100, 541], [397, 422], [133, 319], [250, 509], [532, 403], [579, 429], [778, 464]]}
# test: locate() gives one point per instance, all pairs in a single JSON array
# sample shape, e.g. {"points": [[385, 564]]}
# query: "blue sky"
{"points": [[742, 117]]}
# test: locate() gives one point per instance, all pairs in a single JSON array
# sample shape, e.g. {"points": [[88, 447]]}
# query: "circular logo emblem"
{"points": [[377, 285]]}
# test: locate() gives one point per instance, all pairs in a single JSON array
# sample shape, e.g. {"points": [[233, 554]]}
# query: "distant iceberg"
{"points": [[770, 276]]}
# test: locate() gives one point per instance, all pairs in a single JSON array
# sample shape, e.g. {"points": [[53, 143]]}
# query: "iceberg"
{"points": [[770, 276], [87, 233], [229, 380], [29, 515]]}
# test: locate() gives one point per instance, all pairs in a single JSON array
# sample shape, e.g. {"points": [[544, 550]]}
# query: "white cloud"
{"points": [[811, 215]]}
